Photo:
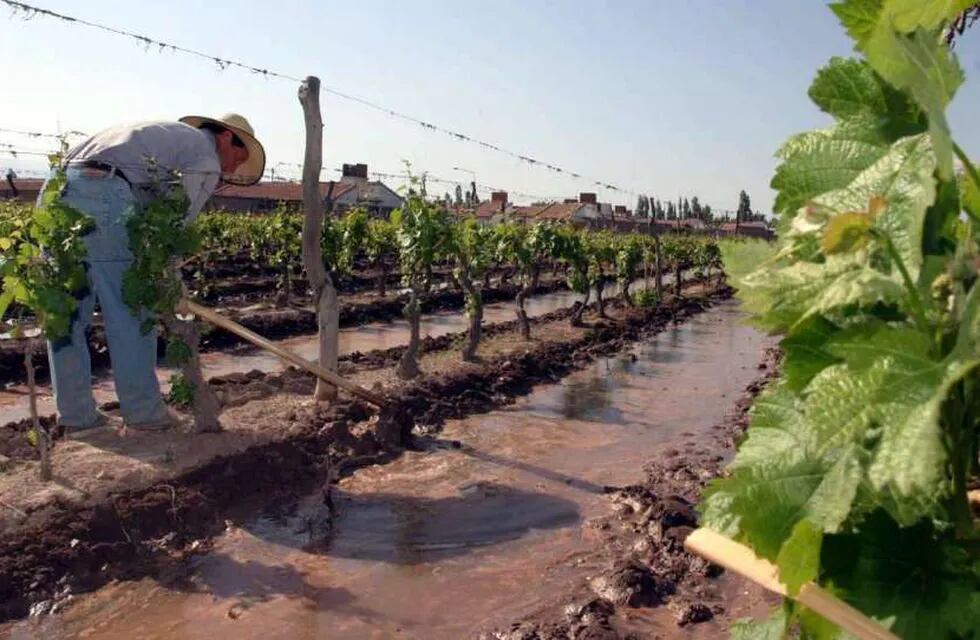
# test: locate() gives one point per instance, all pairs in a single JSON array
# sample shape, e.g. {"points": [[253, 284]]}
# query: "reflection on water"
{"points": [[362, 338], [443, 543]]}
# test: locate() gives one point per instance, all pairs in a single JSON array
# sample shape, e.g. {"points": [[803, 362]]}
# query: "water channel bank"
{"points": [[490, 523]]}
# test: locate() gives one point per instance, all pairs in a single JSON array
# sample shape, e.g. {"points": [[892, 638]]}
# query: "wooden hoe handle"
{"points": [[217, 319], [742, 560]]}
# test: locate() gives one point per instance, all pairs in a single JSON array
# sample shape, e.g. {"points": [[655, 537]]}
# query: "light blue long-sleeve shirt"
{"points": [[150, 152]]}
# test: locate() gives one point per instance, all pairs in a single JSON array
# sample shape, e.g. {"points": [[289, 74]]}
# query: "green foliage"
{"points": [[177, 353], [354, 240], [741, 256], [772, 628], [157, 236], [422, 229], [471, 249], [628, 257], [280, 241], [647, 299], [572, 251], [41, 258], [181, 391], [854, 469], [600, 253], [381, 240]]}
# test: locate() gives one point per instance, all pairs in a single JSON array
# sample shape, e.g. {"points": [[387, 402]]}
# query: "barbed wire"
{"points": [[30, 11], [430, 177], [38, 134]]}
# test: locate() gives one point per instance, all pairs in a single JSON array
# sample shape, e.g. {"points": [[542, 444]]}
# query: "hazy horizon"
{"points": [[670, 99]]}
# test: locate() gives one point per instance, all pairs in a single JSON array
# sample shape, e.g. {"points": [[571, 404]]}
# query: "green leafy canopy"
{"points": [[42, 255], [854, 468]]}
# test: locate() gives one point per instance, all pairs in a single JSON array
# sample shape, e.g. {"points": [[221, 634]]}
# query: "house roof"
{"points": [[744, 225], [32, 185], [550, 211], [279, 191], [489, 209]]}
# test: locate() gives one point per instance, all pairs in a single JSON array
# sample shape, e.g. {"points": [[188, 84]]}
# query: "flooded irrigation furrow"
{"points": [[484, 528], [14, 403]]}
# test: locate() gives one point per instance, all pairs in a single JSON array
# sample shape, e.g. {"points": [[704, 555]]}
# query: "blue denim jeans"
{"points": [[109, 201]]}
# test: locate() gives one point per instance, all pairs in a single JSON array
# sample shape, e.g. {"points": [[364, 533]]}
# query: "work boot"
{"points": [[169, 420], [100, 420]]}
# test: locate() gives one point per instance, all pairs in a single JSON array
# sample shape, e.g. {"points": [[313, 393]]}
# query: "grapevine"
{"points": [[41, 258], [153, 289], [423, 234], [42, 254], [855, 467]]}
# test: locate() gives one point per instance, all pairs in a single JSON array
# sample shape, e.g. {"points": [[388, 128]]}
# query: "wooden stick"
{"points": [[216, 318], [742, 560]]}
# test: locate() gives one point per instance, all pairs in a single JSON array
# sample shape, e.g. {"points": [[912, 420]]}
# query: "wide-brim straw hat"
{"points": [[252, 169]]}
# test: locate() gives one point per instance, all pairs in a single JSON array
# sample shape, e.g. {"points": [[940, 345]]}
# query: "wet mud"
{"points": [[644, 561], [69, 550]]}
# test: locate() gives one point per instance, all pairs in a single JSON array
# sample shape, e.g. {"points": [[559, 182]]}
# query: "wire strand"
{"points": [[223, 63]]}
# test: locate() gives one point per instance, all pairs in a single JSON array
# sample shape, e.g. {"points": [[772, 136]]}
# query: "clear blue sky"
{"points": [[664, 96]]}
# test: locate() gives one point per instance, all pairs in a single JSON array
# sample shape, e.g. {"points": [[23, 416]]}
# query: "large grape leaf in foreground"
{"points": [[911, 578], [870, 116]]}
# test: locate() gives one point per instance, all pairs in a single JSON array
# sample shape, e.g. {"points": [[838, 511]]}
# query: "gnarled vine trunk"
{"points": [[408, 366], [599, 286], [383, 278], [474, 313], [535, 277], [522, 318], [627, 296], [576, 317], [204, 404], [658, 270]]}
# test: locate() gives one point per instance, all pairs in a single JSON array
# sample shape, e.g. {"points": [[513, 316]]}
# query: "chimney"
{"points": [[354, 173], [500, 199], [588, 198]]}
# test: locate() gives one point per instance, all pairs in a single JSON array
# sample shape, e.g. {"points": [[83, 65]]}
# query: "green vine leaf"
{"points": [[856, 464], [761, 504], [846, 232], [920, 64], [913, 579], [859, 17], [909, 15], [775, 429], [799, 557], [773, 628]]}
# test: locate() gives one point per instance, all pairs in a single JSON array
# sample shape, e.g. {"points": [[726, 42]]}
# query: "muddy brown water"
{"points": [[14, 403], [460, 538]]}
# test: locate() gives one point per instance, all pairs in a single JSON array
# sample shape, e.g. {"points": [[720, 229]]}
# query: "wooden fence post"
{"points": [[324, 292]]}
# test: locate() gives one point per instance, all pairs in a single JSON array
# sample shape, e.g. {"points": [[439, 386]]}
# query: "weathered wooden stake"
{"points": [[204, 404], [324, 292]]}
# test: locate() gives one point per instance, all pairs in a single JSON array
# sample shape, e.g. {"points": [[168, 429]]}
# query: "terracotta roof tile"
{"points": [[488, 209], [25, 185], [279, 191], [550, 211]]}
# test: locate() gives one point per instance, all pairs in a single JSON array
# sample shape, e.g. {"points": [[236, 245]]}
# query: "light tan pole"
{"points": [[219, 320], [736, 557]]}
